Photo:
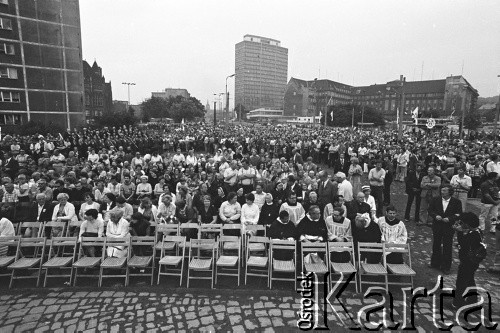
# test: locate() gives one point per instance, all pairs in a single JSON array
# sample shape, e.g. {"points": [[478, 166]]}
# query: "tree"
{"points": [[177, 108], [342, 115], [154, 107], [472, 121]]}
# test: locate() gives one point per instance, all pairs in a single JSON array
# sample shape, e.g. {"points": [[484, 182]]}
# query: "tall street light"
{"points": [[227, 99], [128, 84], [497, 113], [399, 90]]}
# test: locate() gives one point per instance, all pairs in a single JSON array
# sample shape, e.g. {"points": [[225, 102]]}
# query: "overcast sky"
{"points": [[190, 43]]}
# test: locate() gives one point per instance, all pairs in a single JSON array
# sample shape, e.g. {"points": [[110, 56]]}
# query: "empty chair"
{"points": [[29, 256], [228, 261], [115, 246], [172, 263], [208, 230], [400, 269], [141, 262], [202, 262], [368, 266], [256, 262], [283, 259], [60, 259], [30, 229], [342, 260], [165, 230], [312, 261], [8, 249], [258, 230], [50, 226], [90, 255], [231, 229]]}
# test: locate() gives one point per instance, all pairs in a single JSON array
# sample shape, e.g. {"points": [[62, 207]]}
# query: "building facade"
{"points": [[449, 97], [41, 71], [171, 92], [261, 73], [98, 94], [310, 98]]}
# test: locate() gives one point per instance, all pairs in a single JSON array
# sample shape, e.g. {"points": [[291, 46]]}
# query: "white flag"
{"points": [[414, 115], [397, 115], [320, 114], [331, 115]]}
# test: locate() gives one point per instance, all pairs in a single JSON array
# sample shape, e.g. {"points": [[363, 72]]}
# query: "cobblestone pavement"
{"points": [[227, 308]]}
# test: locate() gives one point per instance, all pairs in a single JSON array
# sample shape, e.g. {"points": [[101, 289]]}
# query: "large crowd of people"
{"points": [[301, 182]]}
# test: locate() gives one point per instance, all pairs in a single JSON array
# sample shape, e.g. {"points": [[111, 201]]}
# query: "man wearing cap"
{"points": [[490, 201], [461, 184]]}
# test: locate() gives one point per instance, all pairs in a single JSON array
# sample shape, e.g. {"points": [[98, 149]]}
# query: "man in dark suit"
{"points": [[413, 180], [444, 211], [11, 166], [327, 190], [41, 211], [293, 187]]}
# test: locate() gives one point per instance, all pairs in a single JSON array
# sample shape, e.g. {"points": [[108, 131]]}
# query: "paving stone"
{"points": [[219, 308], [239, 328], [234, 319], [277, 322], [192, 324], [264, 321], [220, 316], [250, 325], [258, 305], [207, 320], [288, 313]]}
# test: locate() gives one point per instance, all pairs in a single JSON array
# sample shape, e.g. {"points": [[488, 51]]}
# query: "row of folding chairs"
{"points": [[323, 258], [38, 229], [65, 257]]}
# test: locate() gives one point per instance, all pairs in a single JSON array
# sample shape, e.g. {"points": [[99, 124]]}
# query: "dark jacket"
{"points": [[312, 228], [413, 183], [326, 193], [45, 215], [355, 207], [452, 212]]}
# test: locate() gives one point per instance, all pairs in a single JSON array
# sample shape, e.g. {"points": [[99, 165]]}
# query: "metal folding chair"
{"points": [[209, 231], [401, 269], [85, 261], [58, 259], [140, 259], [283, 266], [199, 263], [312, 249], [344, 268], [173, 264], [228, 261], [29, 256], [257, 265], [115, 245], [372, 269]]}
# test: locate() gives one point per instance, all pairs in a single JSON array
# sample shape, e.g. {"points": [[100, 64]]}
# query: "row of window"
{"points": [[10, 96], [10, 119]]}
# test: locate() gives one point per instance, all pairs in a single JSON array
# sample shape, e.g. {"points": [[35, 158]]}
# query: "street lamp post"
{"points": [[497, 113], [128, 84], [401, 98], [227, 100], [464, 101]]}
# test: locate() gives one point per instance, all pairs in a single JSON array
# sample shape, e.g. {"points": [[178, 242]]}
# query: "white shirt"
{"points": [[456, 181], [445, 204], [345, 190]]}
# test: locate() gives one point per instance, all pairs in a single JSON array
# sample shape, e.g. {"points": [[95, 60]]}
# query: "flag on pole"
{"points": [[397, 115], [414, 115], [331, 115], [182, 123]]}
